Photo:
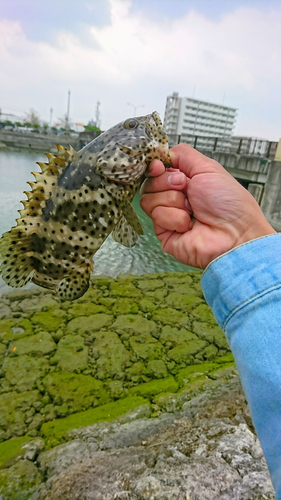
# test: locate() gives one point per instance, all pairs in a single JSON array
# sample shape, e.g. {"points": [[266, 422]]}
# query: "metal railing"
{"points": [[236, 145]]}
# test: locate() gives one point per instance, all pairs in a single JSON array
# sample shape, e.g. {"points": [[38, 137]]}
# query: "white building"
{"points": [[190, 120]]}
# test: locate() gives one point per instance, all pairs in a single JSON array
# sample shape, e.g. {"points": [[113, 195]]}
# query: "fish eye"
{"points": [[131, 123]]}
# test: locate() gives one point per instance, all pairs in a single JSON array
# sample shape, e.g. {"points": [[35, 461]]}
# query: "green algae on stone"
{"points": [[57, 431], [108, 302], [124, 289], [116, 389], [37, 345], [3, 350], [203, 313], [194, 371], [212, 333], [150, 284], [86, 309], [157, 295], [134, 324], [210, 352], [6, 325], [12, 411], [23, 371], [110, 355], [47, 320], [171, 337], [183, 301], [125, 306], [186, 289], [147, 305], [225, 372], [146, 347], [169, 316], [156, 369], [79, 391], [89, 324], [31, 305], [71, 354], [19, 481], [172, 402], [176, 279], [135, 372], [92, 295], [12, 448], [183, 354], [227, 358], [150, 389], [27, 326], [102, 281]]}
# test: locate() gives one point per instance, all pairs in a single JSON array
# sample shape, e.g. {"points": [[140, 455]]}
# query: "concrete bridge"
{"points": [[260, 175]]}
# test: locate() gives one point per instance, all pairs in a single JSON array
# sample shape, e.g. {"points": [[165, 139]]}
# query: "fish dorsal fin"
{"points": [[45, 182], [124, 233]]}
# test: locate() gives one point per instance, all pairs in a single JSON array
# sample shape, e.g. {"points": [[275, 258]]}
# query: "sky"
{"points": [[131, 54]]}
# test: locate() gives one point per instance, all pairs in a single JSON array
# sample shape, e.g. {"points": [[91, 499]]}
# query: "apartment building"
{"points": [[187, 118]]}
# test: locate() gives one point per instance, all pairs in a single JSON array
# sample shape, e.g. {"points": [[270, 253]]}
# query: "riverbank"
{"points": [[35, 141], [144, 353]]}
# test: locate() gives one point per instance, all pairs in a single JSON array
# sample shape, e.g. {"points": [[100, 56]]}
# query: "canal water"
{"points": [[112, 258]]}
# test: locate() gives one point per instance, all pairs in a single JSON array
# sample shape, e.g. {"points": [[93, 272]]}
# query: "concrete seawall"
{"points": [[35, 141]]}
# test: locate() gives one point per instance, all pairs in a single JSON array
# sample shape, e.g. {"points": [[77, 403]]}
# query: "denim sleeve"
{"points": [[243, 288]]}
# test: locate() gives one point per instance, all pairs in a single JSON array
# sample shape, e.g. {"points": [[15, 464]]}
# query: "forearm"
{"points": [[243, 288]]}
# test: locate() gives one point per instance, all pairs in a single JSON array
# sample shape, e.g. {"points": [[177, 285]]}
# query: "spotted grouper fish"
{"points": [[76, 201]]}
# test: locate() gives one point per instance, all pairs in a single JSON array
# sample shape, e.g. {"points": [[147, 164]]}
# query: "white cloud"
{"points": [[136, 58]]}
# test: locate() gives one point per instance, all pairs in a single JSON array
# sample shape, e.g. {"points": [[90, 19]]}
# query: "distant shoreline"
{"points": [[34, 141]]}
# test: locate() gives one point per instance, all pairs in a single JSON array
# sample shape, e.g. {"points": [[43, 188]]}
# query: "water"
{"points": [[112, 258]]}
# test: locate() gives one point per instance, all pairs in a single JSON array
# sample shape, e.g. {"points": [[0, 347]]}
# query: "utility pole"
{"points": [[67, 114], [51, 114], [98, 114], [135, 107]]}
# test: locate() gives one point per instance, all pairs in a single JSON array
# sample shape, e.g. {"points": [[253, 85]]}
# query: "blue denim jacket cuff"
{"points": [[241, 275]]}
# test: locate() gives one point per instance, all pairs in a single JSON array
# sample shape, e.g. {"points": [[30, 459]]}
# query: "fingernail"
{"points": [[176, 179], [150, 166]]}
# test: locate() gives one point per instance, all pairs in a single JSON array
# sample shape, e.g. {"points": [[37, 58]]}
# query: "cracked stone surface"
{"points": [[143, 347]]}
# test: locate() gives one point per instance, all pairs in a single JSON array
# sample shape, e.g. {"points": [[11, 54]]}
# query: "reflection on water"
{"points": [[112, 258]]}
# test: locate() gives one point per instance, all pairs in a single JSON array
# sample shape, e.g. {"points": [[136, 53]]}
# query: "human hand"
{"points": [[199, 210]]}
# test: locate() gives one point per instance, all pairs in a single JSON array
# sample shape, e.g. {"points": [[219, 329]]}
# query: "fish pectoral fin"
{"points": [[74, 284], [124, 233], [131, 216], [127, 210]]}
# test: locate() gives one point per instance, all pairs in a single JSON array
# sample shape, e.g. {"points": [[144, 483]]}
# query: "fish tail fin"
{"points": [[74, 284], [17, 252], [16, 258]]}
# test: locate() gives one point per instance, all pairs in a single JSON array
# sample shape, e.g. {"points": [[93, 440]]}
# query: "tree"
{"points": [[64, 123], [32, 118]]}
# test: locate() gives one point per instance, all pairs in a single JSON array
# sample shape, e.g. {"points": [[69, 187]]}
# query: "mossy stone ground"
{"points": [[127, 340]]}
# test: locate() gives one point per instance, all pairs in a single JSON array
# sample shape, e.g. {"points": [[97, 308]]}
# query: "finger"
{"points": [[155, 168], [171, 219], [171, 198], [164, 182], [191, 162]]}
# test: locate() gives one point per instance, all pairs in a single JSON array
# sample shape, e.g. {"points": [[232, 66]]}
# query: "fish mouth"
{"points": [[163, 151], [154, 129]]}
